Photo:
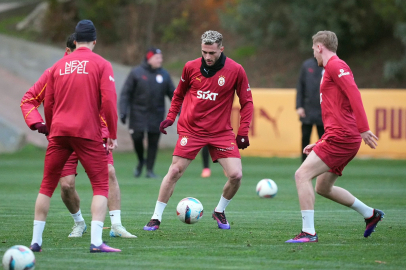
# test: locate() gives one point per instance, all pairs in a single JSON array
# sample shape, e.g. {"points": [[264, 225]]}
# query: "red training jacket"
{"points": [[341, 106], [80, 85], [207, 102]]}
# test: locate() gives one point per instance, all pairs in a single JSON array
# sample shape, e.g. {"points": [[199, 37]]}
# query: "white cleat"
{"points": [[78, 229], [117, 230]]}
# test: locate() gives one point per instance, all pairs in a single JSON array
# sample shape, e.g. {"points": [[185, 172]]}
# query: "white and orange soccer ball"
{"points": [[267, 188], [19, 258], [189, 210]]}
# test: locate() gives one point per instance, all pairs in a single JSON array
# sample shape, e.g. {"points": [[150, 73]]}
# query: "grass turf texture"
{"points": [[259, 227]]}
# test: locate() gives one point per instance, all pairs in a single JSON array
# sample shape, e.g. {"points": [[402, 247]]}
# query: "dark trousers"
{"points": [[205, 156], [153, 139], [306, 133]]}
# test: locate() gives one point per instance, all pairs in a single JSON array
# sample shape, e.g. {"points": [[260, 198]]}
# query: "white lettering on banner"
{"points": [[75, 65], [206, 95]]}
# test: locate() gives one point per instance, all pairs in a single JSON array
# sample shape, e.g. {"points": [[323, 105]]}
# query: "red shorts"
{"points": [[72, 163], [335, 154], [221, 147], [91, 154]]}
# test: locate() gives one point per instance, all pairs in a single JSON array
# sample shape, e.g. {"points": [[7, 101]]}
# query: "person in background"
{"points": [[308, 100], [143, 98], [206, 172]]}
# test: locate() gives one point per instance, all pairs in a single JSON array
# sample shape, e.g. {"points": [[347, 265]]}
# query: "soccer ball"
{"points": [[19, 258], [189, 210], [267, 188]]}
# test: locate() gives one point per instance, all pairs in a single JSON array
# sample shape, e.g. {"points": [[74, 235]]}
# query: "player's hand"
{"points": [[42, 128], [370, 139], [123, 117], [164, 124], [242, 141], [301, 112], [308, 148], [111, 144]]}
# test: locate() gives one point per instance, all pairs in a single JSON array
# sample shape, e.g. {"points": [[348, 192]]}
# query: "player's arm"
{"points": [[32, 99], [109, 99], [49, 100], [344, 78], [247, 108], [300, 92], [125, 96]]}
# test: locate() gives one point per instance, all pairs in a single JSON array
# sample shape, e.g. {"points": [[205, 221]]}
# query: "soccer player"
{"points": [[79, 87], [206, 92], [346, 125], [29, 104]]}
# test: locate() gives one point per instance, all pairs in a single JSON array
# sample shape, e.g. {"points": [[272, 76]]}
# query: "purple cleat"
{"points": [[102, 248], [35, 248], [152, 225], [304, 237], [372, 222], [221, 220]]}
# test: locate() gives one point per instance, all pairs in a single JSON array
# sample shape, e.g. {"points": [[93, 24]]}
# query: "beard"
{"points": [[319, 62]]}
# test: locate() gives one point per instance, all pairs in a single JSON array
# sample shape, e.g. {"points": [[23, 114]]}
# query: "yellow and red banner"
{"points": [[276, 129]]}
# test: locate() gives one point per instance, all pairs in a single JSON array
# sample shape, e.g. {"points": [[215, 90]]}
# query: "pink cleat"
{"points": [[102, 248], [304, 237], [206, 173]]}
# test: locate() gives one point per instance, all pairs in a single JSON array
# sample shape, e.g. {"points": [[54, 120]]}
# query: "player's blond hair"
{"points": [[210, 37], [327, 38]]}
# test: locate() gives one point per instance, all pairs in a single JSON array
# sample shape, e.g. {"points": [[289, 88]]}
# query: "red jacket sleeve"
{"points": [[343, 77], [179, 94], [33, 99], [109, 99], [247, 107], [49, 100]]}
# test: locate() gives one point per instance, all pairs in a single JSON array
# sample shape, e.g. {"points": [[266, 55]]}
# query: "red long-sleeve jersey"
{"points": [[341, 105], [33, 98], [207, 102], [80, 85]]}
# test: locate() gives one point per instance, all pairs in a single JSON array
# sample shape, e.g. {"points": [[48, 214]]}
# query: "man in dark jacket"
{"points": [[308, 100], [143, 96]]}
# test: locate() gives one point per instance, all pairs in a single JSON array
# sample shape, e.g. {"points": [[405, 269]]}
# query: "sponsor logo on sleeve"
{"points": [[182, 79], [222, 80], [249, 88], [207, 95], [111, 79], [342, 73]]}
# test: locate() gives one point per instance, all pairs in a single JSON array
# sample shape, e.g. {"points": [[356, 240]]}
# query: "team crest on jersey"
{"points": [[183, 142], [159, 78], [222, 80]]}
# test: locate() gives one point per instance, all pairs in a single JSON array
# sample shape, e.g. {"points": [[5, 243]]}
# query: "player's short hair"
{"points": [[328, 39], [70, 42], [210, 37]]}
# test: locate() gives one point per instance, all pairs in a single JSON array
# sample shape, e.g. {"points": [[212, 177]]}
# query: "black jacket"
{"points": [[308, 92], [143, 96]]}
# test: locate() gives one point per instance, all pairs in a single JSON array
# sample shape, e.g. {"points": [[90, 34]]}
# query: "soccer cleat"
{"points": [[152, 225], [117, 230], [78, 229], [221, 220], [206, 173], [304, 237], [102, 248], [35, 248], [372, 222]]}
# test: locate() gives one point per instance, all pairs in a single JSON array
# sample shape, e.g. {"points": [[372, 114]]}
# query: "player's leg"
{"points": [[153, 139], [56, 155], [306, 133], [92, 155], [320, 130], [70, 197], [313, 166], [326, 188], [114, 204], [138, 138], [176, 170], [205, 156]]}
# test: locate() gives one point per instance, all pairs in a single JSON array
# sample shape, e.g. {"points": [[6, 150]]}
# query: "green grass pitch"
{"points": [[259, 227]]}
